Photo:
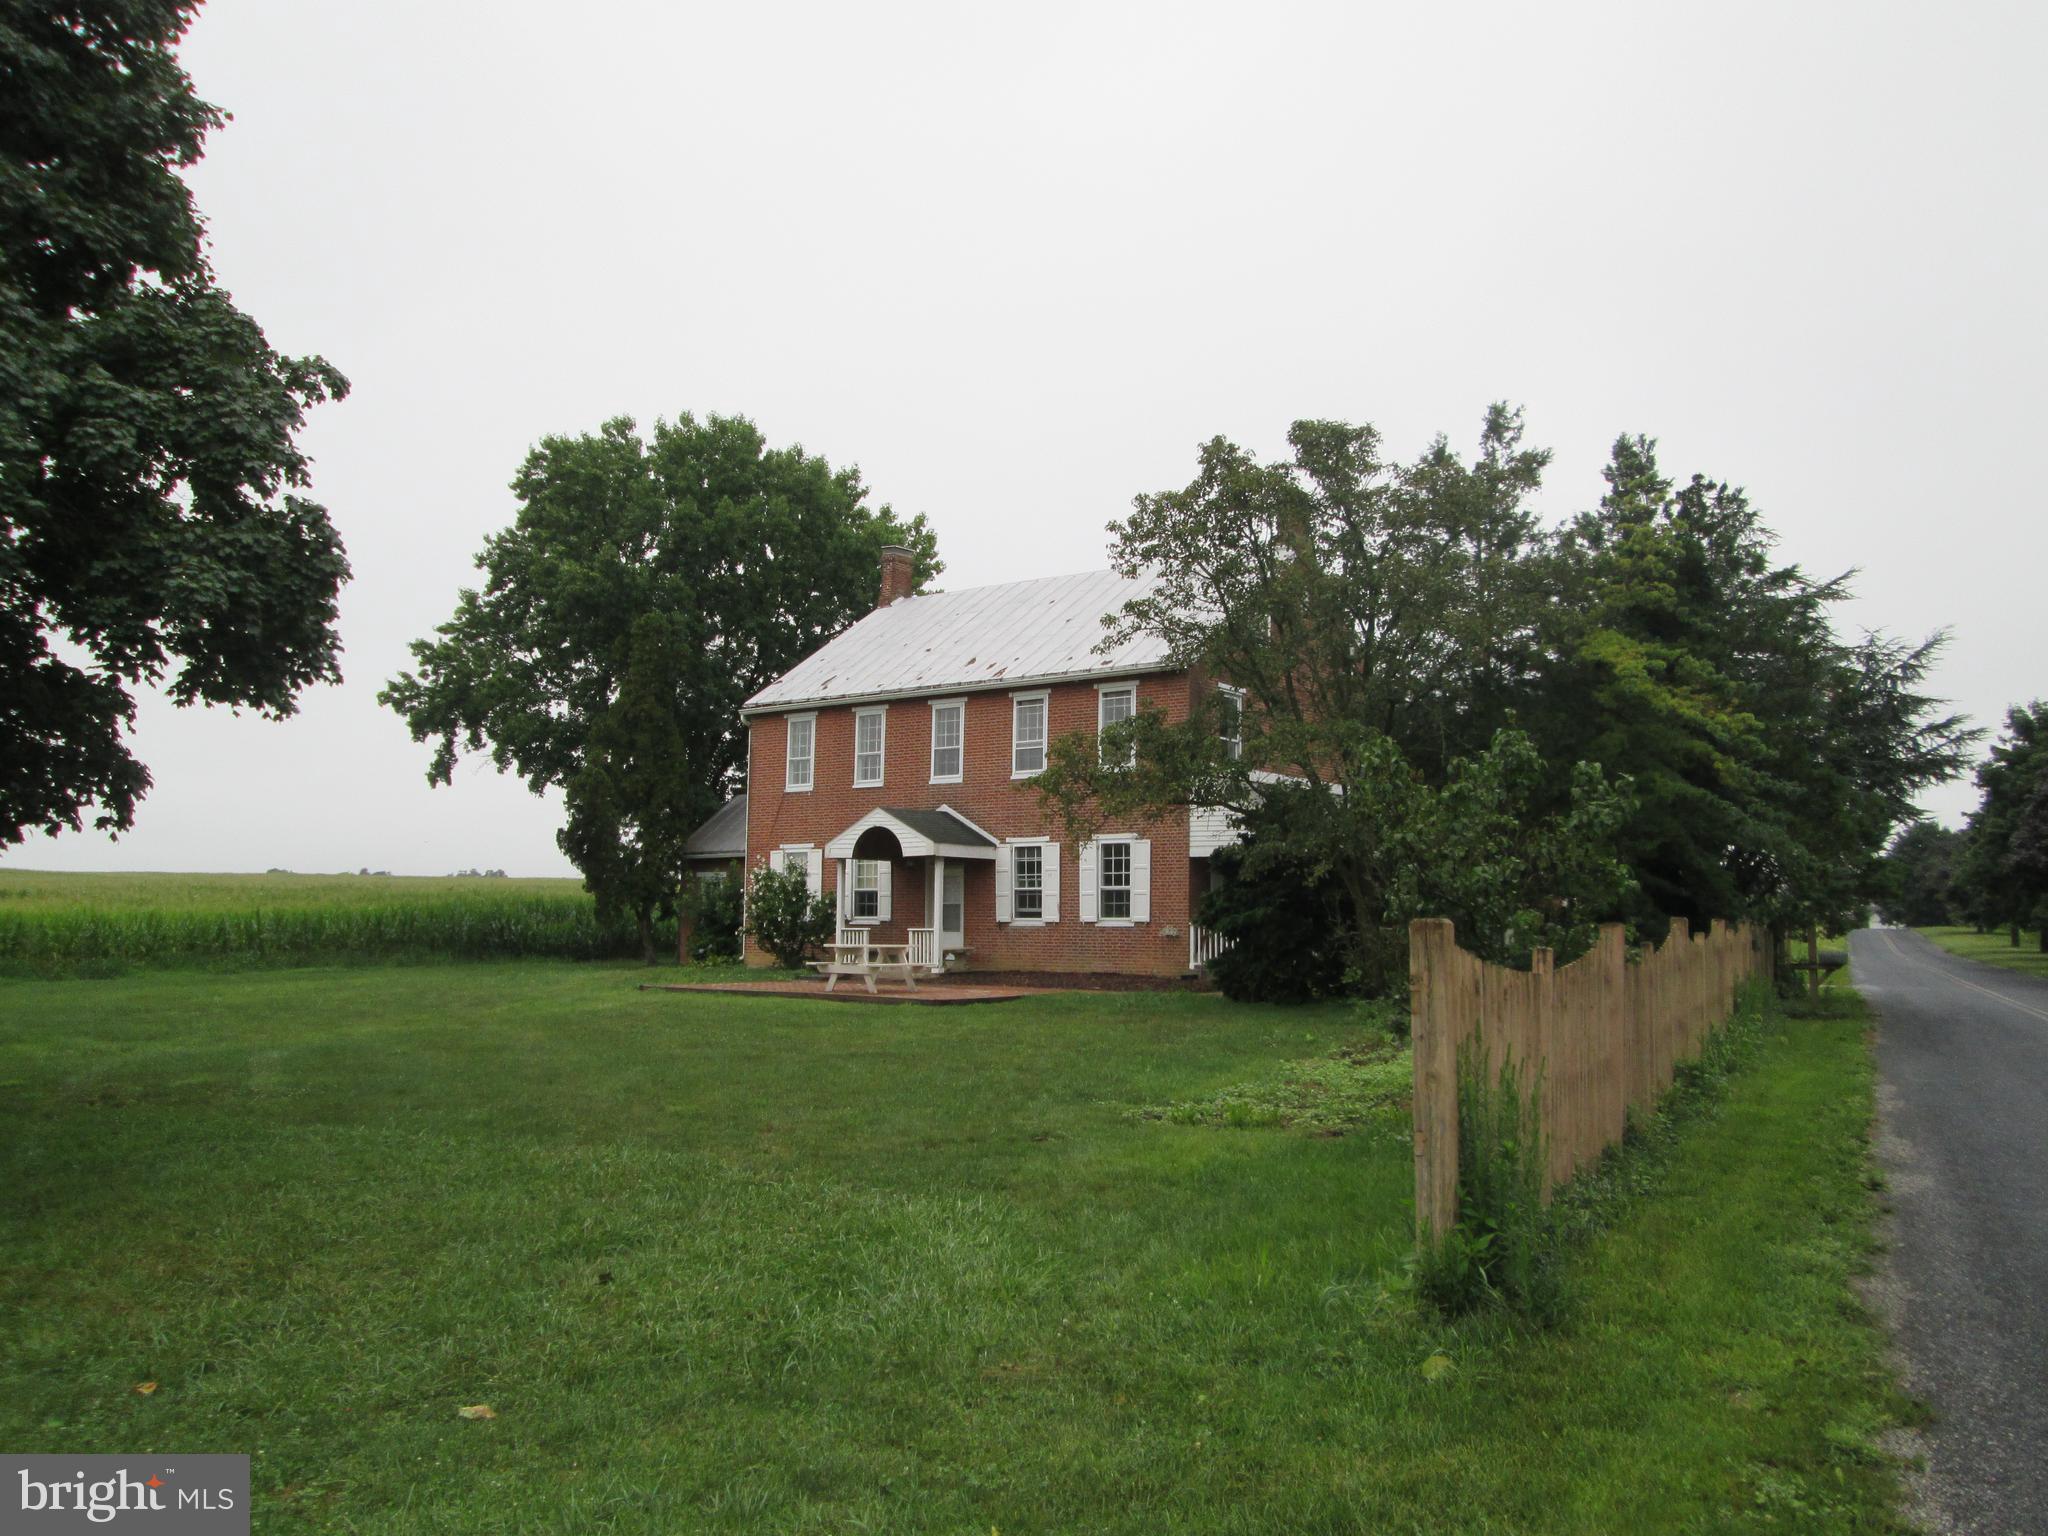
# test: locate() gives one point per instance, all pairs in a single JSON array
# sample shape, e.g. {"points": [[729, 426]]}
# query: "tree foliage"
{"points": [[1772, 761], [630, 811], [1690, 706], [1478, 849], [2002, 880], [716, 910], [1920, 873], [646, 588], [150, 530]]}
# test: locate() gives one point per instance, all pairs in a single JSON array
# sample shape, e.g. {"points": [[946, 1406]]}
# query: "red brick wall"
{"points": [[988, 796]]}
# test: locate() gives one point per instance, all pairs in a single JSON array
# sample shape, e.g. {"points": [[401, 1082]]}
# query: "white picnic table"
{"points": [[867, 961]]}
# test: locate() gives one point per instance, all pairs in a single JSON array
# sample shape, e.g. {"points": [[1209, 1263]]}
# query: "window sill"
{"points": [[1116, 922], [949, 779], [796, 789], [867, 784], [863, 922], [1033, 922], [1027, 774]]}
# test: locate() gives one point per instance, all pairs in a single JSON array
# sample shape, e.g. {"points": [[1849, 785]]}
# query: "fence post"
{"points": [[1612, 1070], [1543, 1069], [1433, 1003]]}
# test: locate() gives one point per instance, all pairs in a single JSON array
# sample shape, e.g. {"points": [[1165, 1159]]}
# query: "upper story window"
{"points": [[1027, 734], [1113, 705], [1231, 702], [949, 740], [802, 752], [868, 730]]}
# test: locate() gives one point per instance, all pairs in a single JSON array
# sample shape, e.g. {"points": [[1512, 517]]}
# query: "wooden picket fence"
{"points": [[1605, 1034]]}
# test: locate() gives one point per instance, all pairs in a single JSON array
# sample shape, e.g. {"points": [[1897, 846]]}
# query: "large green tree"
{"points": [[1772, 761], [647, 586], [149, 526], [2003, 881], [1381, 620]]}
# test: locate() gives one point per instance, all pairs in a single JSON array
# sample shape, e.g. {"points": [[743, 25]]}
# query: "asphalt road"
{"points": [[1962, 1053]]}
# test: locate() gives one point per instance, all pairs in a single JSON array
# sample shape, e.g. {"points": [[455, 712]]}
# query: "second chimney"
{"points": [[897, 577]]}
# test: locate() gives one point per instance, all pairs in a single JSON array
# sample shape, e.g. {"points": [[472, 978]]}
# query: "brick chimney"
{"points": [[897, 579]]}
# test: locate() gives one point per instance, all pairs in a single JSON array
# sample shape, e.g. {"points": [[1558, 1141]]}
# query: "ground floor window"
{"points": [[1027, 882], [1115, 864], [867, 888]]}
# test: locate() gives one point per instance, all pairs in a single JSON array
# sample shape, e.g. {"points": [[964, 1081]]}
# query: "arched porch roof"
{"points": [[944, 833]]}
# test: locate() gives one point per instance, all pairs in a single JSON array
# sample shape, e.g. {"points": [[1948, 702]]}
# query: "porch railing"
{"points": [[1204, 945], [854, 939], [924, 948]]}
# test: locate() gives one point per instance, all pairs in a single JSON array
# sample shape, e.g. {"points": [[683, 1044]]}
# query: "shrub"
{"points": [[713, 910], [1287, 922], [784, 918]]}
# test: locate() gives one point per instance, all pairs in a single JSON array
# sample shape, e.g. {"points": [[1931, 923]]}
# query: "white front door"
{"points": [[953, 907]]}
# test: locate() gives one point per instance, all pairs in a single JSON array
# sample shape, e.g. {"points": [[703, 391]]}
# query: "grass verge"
{"points": [[751, 1264], [1993, 948]]}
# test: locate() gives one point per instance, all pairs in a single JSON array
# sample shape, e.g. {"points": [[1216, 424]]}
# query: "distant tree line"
{"points": [[1994, 872], [1639, 715]]}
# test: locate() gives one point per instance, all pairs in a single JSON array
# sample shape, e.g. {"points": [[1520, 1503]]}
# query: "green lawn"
{"points": [[1993, 948], [747, 1264]]}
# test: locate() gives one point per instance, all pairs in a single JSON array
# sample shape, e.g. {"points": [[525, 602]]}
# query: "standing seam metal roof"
{"points": [[723, 835], [1007, 635]]}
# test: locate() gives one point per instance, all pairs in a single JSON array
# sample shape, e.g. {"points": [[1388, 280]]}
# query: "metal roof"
{"points": [[723, 835], [1009, 635]]}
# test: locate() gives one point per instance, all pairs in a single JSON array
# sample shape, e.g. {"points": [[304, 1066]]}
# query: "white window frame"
{"points": [[1018, 888], [1043, 697], [1129, 887], [855, 890], [1049, 862], [959, 705], [1234, 744], [1103, 691], [879, 713], [790, 760]]}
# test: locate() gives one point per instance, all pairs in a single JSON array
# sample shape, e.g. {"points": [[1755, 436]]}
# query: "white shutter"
{"points": [[1088, 882], [1141, 880], [1003, 883], [1052, 882], [814, 871], [884, 871]]}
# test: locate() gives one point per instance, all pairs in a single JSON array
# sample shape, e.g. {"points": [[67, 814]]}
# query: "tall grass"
{"points": [[54, 923]]}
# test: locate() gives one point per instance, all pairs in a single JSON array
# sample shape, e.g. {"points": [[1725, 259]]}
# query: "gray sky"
{"points": [[1017, 262]]}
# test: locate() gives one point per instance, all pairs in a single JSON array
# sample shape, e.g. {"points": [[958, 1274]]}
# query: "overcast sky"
{"points": [[1017, 262]]}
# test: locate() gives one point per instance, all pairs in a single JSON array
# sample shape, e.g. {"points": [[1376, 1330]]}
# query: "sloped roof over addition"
{"points": [[723, 835], [1005, 636]]}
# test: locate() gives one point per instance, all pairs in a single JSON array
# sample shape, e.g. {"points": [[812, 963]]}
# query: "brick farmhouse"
{"points": [[894, 765]]}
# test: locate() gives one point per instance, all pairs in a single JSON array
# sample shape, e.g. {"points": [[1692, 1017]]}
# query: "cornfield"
{"points": [[83, 922]]}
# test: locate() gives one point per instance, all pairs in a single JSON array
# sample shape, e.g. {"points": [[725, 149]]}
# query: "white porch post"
{"points": [[935, 914]]}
